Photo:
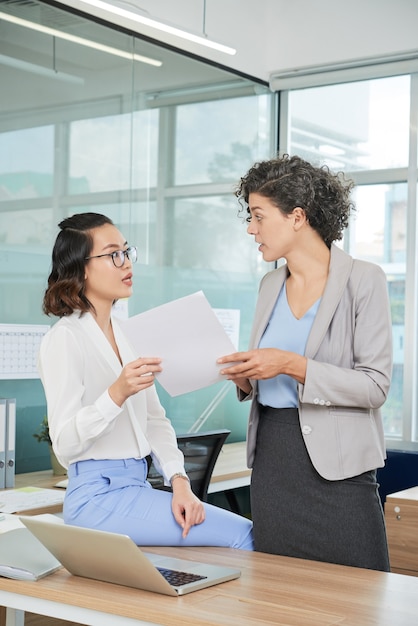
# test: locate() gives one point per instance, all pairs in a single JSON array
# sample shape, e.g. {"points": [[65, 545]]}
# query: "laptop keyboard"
{"points": [[177, 579]]}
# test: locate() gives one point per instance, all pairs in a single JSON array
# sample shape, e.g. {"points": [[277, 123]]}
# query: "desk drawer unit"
{"points": [[401, 514]]}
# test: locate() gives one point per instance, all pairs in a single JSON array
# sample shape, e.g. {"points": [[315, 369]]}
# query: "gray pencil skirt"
{"points": [[298, 513]]}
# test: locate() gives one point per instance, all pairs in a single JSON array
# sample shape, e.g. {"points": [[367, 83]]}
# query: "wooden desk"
{"points": [[43, 478], [401, 514], [231, 469], [272, 590]]}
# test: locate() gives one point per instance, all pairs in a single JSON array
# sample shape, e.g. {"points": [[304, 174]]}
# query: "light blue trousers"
{"points": [[114, 495]]}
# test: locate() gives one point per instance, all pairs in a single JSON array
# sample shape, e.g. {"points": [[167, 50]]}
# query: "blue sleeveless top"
{"points": [[286, 332]]}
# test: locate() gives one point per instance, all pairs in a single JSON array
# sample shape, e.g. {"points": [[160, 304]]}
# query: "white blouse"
{"points": [[77, 365]]}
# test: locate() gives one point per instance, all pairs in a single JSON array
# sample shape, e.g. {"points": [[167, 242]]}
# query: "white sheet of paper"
{"points": [[188, 337], [230, 319], [25, 498]]}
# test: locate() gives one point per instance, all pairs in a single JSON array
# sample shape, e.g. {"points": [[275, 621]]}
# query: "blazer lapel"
{"points": [[266, 303], [339, 273]]}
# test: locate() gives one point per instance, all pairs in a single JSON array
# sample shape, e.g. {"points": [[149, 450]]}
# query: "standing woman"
{"points": [[317, 372], [104, 414]]}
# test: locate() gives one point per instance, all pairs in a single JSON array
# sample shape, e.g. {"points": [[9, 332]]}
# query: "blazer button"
{"points": [[327, 403], [322, 402], [316, 401], [306, 430]]}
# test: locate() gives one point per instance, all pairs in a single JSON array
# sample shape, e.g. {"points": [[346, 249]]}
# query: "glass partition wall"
{"points": [[96, 119]]}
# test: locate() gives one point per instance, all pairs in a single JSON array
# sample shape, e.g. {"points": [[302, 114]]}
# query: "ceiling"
{"points": [[42, 71]]}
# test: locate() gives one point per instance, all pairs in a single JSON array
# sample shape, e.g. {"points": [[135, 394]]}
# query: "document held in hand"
{"points": [[189, 338]]}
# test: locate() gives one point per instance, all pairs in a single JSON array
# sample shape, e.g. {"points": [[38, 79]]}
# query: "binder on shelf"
{"points": [[10, 442], [3, 410]]}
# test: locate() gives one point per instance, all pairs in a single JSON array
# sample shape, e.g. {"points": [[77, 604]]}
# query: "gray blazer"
{"points": [[349, 352]]}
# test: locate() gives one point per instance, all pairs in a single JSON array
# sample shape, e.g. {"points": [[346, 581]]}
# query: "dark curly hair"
{"points": [[290, 182], [74, 242]]}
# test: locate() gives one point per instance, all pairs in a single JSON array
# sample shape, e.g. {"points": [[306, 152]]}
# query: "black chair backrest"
{"points": [[200, 451]]}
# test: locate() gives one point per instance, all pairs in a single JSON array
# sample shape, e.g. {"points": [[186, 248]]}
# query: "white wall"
{"points": [[272, 35]]}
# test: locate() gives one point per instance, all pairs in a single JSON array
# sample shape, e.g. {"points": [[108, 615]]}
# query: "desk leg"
{"points": [[15, 617]]}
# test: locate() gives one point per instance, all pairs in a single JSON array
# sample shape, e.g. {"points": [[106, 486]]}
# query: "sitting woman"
{"points": [[104, 414]]}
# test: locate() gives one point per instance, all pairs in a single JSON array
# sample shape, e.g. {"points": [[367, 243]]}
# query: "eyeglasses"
{"points": [[119, 256]]}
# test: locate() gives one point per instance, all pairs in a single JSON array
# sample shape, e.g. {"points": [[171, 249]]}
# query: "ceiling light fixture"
{"points": [[40, 70], [79, 40], [161, 26]]}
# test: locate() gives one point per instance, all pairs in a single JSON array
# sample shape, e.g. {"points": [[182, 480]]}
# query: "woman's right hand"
{"points": [[135, 376], [262, 364]]}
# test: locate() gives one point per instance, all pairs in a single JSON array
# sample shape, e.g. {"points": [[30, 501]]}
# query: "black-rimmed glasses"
{"points": [[119, 256]]}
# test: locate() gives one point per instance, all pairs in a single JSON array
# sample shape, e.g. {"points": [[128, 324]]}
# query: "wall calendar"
{"points": [[19, 347]]}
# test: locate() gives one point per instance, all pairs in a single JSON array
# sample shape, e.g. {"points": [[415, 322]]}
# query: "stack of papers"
{"points": [[30, 498], [22, 556]]}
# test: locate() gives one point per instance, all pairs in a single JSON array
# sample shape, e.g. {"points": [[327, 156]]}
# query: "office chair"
{"points": [[201, 451]]}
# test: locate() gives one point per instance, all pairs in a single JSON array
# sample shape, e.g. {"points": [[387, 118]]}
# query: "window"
{"points": [[114, 152], [156, 149], [218, 141], [363, 129], [353, 126], [22, 173]]}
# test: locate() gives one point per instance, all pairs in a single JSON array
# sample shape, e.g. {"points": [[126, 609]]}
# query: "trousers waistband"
{"points": [[92, 465]]}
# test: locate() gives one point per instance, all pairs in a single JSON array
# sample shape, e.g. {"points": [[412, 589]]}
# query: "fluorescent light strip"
{"points": [[79, 40], [39, 69], [166, 28]]}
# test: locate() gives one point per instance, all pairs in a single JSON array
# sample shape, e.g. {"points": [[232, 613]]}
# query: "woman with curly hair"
{"points": [[317, 372]]}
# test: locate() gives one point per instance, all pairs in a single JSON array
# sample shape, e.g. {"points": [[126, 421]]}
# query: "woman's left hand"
{"points": [[187, 509]]}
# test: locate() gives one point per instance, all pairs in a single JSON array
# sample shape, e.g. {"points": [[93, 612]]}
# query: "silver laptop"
{"points": [[117, 559]]}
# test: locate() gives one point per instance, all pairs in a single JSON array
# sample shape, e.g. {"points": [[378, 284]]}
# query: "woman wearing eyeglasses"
{"points": [[104, 414]]}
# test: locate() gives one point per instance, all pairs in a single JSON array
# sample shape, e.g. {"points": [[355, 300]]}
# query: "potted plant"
{"points": [[43, 435]]}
